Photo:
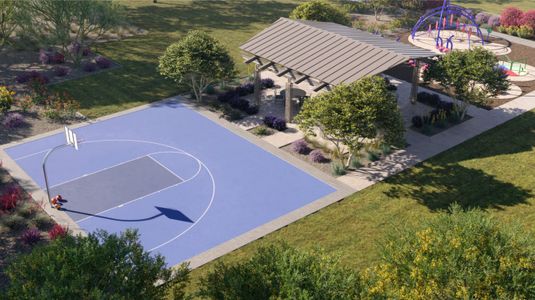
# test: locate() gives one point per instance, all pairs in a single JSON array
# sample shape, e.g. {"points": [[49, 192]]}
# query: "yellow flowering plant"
{"points": [[6, 99]]}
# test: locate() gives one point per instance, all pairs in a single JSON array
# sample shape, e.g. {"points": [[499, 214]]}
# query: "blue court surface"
{"points": [[185, 182]]}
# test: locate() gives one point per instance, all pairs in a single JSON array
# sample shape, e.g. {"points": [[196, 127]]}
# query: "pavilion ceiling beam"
{"points": [[321, 86], [281, 73], [264, 67], [250, 60], [301, 79]]}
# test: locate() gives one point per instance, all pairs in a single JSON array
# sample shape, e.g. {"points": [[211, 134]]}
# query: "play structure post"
{"points": [[415, 81], [288, 102], [257, 86]]}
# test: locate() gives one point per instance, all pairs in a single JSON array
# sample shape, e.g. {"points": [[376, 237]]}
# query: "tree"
{"points": [[460, 255], [71, 24], [351, 114], [281, 272], [378, 6], [9, 14], [318, 10], [470, 77], [197, 61], [98, 266]]}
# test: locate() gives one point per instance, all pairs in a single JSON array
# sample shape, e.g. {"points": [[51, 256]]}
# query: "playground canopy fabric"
{"points": [[327, 52]]}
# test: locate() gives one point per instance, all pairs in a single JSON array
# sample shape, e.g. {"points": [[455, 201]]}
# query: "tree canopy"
{"points": [[456, 255], [351, 114], [99, 266], [196, 61], [318, 10], [281, 272], [471, 76]]}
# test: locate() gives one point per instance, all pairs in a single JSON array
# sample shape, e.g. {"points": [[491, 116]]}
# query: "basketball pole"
{"points": [[44, 171]]}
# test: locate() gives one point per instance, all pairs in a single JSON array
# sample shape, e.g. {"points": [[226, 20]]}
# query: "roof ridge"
{"points": [[298, 21]]}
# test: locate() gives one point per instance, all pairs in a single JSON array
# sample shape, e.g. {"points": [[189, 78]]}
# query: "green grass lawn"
{"points": [[493, 171], [495, 6], [137, 82]]}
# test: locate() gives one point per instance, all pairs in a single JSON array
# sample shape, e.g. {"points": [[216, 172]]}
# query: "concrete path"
{"points": [[514, 39], [422, 147]]}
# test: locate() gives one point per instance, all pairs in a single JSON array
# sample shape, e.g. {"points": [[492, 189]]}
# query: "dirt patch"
{"points": [[34, 123], [14, 63]]}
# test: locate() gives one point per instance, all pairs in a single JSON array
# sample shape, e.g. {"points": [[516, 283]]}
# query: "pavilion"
{"points": [[324, 55]]}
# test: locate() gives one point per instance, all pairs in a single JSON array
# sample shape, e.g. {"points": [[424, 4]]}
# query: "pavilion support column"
{"points": [[288, 101], [257, 86], [415, 81]]}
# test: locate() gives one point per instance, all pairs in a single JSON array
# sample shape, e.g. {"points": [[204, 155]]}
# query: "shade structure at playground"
{"points": [[459, 41]]}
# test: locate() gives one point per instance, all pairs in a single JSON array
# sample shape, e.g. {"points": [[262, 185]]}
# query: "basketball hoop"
{"points": [[70, 140]]}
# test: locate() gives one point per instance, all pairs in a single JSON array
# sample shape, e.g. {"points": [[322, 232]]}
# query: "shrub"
{"points": [[373, 155], [428, 98], [89, 67], [482, 18], [338, 169], [210, 90], [239, 103], [529, 19], [14, 222], [27, 209], [417, 121], [281, 272], [267, 83], [233, 115], [31, 236], [6, 99], [32, 75], [262, 130], [52, 114], [25, 103], [10, 198], [279, 124], [227, 96], [245, 89], [301, 147], [511, 16], [494, 21], [355, 162], [103, 62], [252, 110], [322, 11], [511, 30], [61, 71], [525, 32], [97, 266], [268, 120], [317, 156], [42, 221], [56, 58], [13, 120], [57, 231], [86, 51]]}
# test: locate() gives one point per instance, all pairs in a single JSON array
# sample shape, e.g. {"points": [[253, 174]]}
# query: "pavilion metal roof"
{"points": [[328, 52]]}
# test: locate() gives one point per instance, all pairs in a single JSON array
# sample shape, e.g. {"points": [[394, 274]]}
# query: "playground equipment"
{"points": [[445, 21], [514, 68]]}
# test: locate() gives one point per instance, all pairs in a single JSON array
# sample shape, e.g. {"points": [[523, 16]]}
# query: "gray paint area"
{"points": [[328, 52], [111, 187]]}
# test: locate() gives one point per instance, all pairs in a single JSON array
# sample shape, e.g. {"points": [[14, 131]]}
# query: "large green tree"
{"points": [[99, 266], [196, 61], [10, 11], [456, 255], [321, 11], [470, 77], [67, 23], [352, 114], [281, 272]]}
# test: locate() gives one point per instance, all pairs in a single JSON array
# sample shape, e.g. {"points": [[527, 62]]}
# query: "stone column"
{"points": [[415, 81], [257, 87], [288, 102]]}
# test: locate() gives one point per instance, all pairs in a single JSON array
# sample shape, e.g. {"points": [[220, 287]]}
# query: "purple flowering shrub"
{"points": [[89, 67], [31, 236], [61, 71], [317, 156], [301, 147], [103, 62], [13, 120]]}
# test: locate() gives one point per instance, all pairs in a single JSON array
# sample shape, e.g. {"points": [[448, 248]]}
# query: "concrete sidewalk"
{"points": [[422, 147]]}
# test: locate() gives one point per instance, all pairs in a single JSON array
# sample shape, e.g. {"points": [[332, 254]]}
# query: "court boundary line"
{"points": [[166, 168]]}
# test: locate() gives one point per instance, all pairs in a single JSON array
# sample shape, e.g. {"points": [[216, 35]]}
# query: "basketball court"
{"points": [[192, 185]]}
